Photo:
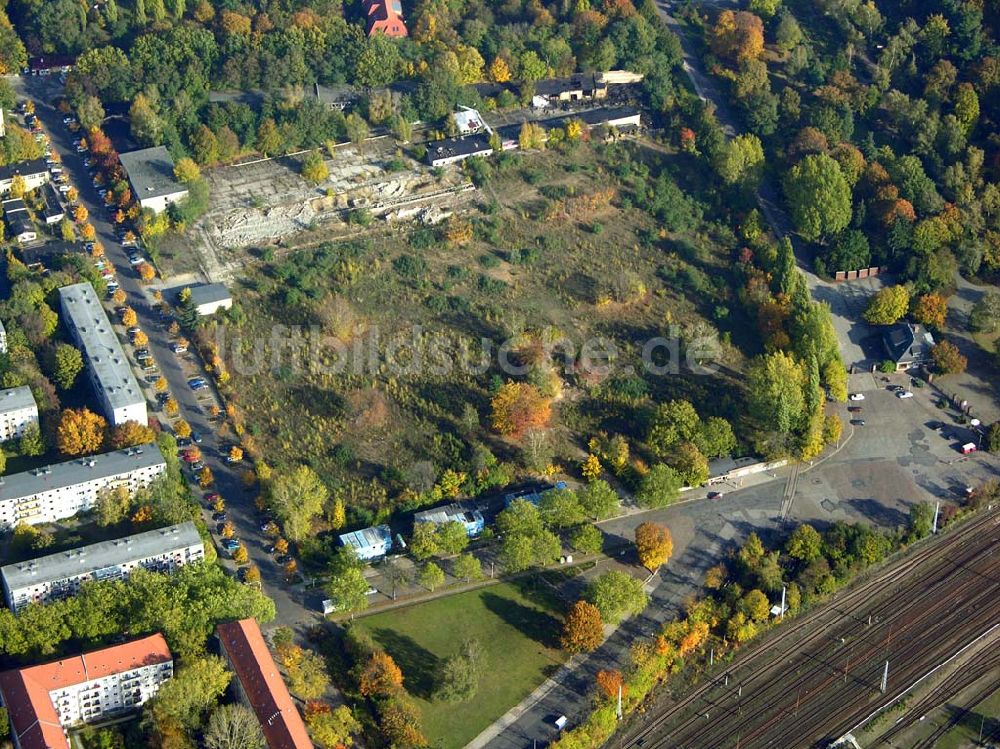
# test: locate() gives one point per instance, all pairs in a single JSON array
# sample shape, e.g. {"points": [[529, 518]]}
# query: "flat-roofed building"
{"points": [[45, 700], [17, 410], [50, 493], [109, 370], [369, 543], [209, 298], [151, 173], [60, 575], [258, 683], [469, 517]]}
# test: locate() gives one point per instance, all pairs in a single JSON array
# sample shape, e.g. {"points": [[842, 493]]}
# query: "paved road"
{"points": [[177, 370]]}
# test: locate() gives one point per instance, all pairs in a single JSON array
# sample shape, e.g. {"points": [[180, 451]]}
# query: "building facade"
{"points": [[17, 410], [51, 493], [209, 298], [18, 221], [35, 173], [109, 370], [43, 701], [259, 685], [60, 575]]}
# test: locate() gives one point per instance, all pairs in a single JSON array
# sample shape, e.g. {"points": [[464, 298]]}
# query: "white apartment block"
{"points": [[43, 701], [17, 410], [3, 339], [109, 370], [60, 575], [51, 493]]}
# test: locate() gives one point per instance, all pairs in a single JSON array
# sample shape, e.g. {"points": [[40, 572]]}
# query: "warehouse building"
{"points": [[369, 543], [60, 575], [109, 370], [50, 493]]}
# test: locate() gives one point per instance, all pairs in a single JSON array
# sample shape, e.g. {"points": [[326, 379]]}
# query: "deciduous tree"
{"points": [[819, 196], [583, 630], [617, 594], [298, 498], [80, 432], [233, 727], [518, 407], [948, 359], [654, 545], [888, 305], [130, 434], [380, 676]]}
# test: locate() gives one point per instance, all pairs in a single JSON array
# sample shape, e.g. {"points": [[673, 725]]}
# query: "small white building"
{"points": [[17, 410], [18, 220], [109, 370], [35, 173], [3, 339], [209, 298], [60, 575], [151, 173], [45, 700], [50, 493]]}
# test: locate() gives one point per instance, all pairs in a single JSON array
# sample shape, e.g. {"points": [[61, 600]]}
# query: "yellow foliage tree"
{"points": [[142, 515], [235, 454], [129, 318], [499, 70], [182, 429], [80, 214], [118, 297], [140, 340], [170, 408], [80, 432], [518, 407], [241, 555], [591, 468], [205, 477], [146, 272]]}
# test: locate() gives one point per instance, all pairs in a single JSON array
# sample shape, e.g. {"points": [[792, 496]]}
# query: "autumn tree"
{"points": [[738, 36], [129, 317], [130, 434], [66, 362], [186, 171], [380, 676], [583, 630], [298, 498], [948, 359], [205, 477], [888, 305], [654, 544], [314, 169], [146, 272], [611, 684], [930, 309], [518, 407], [80, 432]]}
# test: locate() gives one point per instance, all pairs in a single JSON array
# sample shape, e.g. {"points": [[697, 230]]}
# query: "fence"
{"points": [[854, 275]]}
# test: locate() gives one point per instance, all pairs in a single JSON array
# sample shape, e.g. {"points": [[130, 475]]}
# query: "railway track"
{"points": [[807, 683]]}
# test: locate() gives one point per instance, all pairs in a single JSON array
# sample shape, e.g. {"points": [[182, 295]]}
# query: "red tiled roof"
{"points": [[385, 16], [244, 645], [25, 692]]}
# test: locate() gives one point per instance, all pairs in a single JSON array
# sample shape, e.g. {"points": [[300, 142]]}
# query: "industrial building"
{"points": [[43, 701], [109, 370], [369, 543], [457, 512], [50, 493], [60, 575]]}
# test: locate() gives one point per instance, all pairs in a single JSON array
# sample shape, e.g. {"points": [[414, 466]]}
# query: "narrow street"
{"points": [[239, 503]]}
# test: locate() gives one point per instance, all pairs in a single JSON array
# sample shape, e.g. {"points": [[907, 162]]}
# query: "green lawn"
{"points": [[518, 628]]}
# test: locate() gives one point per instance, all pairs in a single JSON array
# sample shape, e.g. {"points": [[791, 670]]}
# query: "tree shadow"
{"points": [[537, 625], [417, 663]]}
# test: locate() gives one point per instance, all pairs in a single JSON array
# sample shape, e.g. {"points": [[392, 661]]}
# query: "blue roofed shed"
{"points": [[369, 543], [531, 495], [457, 512]]}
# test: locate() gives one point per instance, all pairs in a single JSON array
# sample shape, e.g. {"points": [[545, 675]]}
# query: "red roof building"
{"points": [[260, 685], [44, 700], [385, 17]]}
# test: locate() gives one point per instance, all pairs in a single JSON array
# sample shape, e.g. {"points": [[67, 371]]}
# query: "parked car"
{"points": [[178, 349], [854, 409], [196, 381], [857, 396], [904, 394], [858, 422], [715, 495], [211, 496], [219, 517], [196, 437], [230, 545], [183, 441]]}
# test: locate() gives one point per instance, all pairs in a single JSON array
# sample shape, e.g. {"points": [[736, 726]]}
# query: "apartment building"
{"points": [[259, 685], [109, 370], [60, 575], [43, 701], [17, 410], [50, 493]]}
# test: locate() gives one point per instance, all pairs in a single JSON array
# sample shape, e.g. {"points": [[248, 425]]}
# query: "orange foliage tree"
{"points": [[80, 432], [518, 407], [609, 682], [738, 35], [583, 630], [930, 309], [380, 677], [130, 434], [654, 545]]}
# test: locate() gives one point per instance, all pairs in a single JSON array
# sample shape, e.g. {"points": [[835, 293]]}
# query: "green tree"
{"points": [[985, 314], [921, 520], [599, 500], [660, 487], [424, 541], [716, 439], [298, 498], [560, 508], [314, 169], [66, 363], [689, 462], [739, 161], [186, 171], [431, 576], [147, 127], [966, 106], [587, 539], [460, 675], [805, 544], [673, 422], [112, 505], [356, 128], [519, 552], [755, 606], [268, 137], [90, 112], [775, 391], [308, 678], [452, 538], [819, 197], [616, 595], [233, 727], [332, 728], [348, 589], [31, 443], [192, 692], [888, 305], [467, 567]]}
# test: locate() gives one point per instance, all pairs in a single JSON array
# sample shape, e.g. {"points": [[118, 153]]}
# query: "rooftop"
{"points": [[265, 690], [24, 168], [16, 399], [52, 205], [461, 146], [207, 293], [77, 471], [96, 557], [907, 342], [367, 537], [103, 352], [151, 172], [25, 692], [14, 205], [45, 253], [456, 511], [578, 82]]}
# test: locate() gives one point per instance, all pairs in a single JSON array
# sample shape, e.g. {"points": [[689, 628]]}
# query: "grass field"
{"points": [[515, 624]]}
